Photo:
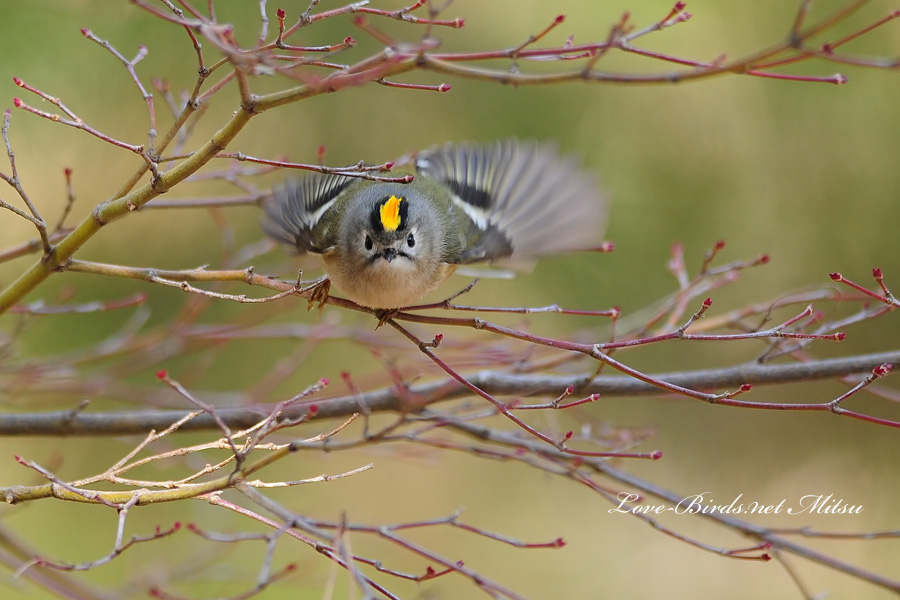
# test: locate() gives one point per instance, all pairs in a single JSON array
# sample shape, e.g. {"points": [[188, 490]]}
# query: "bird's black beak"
{"points": [[389, 254]]}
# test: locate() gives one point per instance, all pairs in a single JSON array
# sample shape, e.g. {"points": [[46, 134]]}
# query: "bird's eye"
{"points": [[410, 241], [368, 243]]}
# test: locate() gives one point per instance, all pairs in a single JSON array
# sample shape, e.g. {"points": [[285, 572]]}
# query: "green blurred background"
{"points": [[804, 172]]}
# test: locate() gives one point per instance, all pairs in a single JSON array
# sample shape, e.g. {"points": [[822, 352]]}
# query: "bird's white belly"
{"points": [[394, 284]]}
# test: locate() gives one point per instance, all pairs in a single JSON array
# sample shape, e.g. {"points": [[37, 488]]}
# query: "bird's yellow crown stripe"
{"points": [[390, 213]]}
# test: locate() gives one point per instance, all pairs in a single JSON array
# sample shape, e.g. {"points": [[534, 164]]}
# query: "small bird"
{"points": [[386, 245]]}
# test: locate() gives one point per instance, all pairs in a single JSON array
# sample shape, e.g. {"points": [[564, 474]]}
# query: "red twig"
{"points": [[886, 298], [360, 169], [514, 53], [73, 120]]}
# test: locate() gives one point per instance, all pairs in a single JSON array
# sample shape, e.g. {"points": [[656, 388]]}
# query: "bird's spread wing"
{"points": [[523, 197], [293, 210]]}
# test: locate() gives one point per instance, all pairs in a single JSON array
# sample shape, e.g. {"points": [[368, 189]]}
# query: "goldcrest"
{"points": [[386, 245]]}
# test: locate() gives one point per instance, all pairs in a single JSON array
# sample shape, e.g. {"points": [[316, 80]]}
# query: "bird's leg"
{"points": [[385, 315], [318, 292]]}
